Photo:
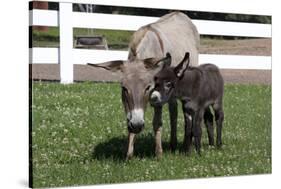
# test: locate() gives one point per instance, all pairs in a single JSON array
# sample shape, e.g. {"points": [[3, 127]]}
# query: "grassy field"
{"points": [[79, 138], [115, 39]]}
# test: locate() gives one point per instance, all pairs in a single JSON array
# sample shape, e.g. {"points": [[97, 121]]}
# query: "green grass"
{"points": [[115, 39], [79, 137]]}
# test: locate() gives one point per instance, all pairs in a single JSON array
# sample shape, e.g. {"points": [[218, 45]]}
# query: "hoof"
{"points": [[173, 149], [173, 146], [129, 156], [198, 152], [219, 145], [187, 151], [159, 155]]}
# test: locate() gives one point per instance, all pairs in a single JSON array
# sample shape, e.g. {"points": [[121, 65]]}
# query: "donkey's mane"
{"points": [[136, 39]]}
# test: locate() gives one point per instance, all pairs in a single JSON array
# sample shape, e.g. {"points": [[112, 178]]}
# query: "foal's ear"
{"points": [[181, 67], [113, 66], [152, 63]]}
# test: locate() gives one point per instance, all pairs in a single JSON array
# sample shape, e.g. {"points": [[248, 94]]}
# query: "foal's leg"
{"points": [[157, 127], [208, 119], [196, 129], [219, 115], [173, 111], [187, 128]]}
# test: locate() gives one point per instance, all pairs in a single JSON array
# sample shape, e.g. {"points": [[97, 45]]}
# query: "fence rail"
{"points": [[66, 55], [82, 56], [132, 23]]}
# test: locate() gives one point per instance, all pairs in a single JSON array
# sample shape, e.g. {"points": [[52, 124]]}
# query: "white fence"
{"points": [[67, 56]]}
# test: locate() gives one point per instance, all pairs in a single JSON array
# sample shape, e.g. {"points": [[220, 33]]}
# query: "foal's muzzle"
{"points": [[155, 98]]}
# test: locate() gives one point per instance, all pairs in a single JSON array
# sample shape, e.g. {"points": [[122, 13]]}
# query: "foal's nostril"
{"points": [[153, 98]]}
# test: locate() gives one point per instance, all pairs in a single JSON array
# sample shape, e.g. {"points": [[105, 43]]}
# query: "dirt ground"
{"points": [[261, 47]]}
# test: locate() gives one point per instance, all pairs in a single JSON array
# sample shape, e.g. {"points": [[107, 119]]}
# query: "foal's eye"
{"points": [[168, 84]]}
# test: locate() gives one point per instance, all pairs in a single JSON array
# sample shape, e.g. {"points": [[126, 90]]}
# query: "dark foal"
{"points": [[199, 89]]}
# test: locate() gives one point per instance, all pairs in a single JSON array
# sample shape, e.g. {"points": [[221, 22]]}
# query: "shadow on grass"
{"points": [[116, 148]]}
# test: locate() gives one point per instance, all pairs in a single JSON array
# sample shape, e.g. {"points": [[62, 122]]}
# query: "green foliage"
{"points": [[192, 14], [52, 34], [248, 18], [117, 39], [79, 137]]}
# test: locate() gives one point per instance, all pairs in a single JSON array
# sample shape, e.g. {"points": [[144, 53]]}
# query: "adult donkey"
{"points": [[174, 33]]}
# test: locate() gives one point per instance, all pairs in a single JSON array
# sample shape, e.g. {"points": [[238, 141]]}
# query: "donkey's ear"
{"points": [[113, 66], [151, 63], [181, 67]]}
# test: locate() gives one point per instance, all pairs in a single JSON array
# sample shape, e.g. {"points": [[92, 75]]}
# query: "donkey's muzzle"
{"points": [[135, 128], [135, 120]]}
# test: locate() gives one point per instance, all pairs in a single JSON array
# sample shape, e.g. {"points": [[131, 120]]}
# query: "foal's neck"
{"points": [[189, 83]]}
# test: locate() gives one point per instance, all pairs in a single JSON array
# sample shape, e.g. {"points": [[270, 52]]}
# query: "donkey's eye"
{"points": [[124, 89], [147, 88]]}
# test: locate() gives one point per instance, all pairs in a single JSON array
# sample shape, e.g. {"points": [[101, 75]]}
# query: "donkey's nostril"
{"points": [[136, 123], [130, 126], [141, 125], [136, 128]]}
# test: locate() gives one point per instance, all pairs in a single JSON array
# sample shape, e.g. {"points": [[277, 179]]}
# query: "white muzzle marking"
{"points": [[157, 95], [137, 116]]}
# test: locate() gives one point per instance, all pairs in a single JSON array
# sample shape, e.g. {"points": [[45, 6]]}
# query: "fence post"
{"points": [[66, 43]]}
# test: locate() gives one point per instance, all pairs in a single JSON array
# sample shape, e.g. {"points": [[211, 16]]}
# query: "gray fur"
{"points": [[198, 88], [177, 33]]}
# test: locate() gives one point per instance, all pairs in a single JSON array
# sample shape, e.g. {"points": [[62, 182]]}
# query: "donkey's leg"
{"points": [[157, 127], [173, 111], [131, 141], [219, 115], [187, 128], [208, 119], [196, 129]]}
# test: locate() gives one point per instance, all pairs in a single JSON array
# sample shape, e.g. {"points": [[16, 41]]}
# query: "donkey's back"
{"points": [[173, 33]]}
